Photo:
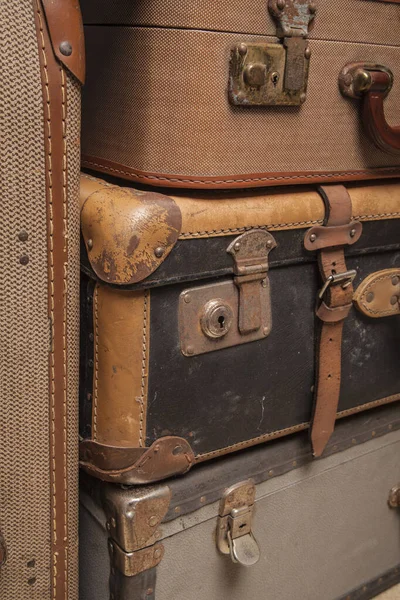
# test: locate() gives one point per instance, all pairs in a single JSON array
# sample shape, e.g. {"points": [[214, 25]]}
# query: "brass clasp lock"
{"points": [[275, 74], [234, 528]]}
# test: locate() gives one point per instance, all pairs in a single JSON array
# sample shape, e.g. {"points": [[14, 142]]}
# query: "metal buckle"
{"points": [[345, 278]]}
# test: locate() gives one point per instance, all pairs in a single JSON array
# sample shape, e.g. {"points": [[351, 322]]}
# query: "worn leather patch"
{"points": [[379, 294], [128, 233]]}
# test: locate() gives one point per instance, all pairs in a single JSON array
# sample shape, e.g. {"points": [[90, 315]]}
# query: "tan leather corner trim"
{"points": [[379, 294], [128, 233], [234, 181], [219, 214], [121, 362], [289, 430], [65, 25]]}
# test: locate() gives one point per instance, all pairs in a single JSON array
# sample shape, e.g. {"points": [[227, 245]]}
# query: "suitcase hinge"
{"points": [[250, 254], [234, 528], [275, 74]]}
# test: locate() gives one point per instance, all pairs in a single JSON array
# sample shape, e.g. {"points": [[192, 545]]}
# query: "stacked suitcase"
{"points": [[221, 311]]}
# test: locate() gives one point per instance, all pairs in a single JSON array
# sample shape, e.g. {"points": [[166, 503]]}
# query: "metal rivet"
{"points": [[24, 260], [281, 4], [66, 48], [236, 247], [156, 449], [271, 472], [108, 527], [354, 441], [312, 8], [242, 49], [394, 300], [395, 280], [303, 98], [353, 233], [294, 463], [90, 363], [177, 509], [157, 553], [189, 350], [307, 52], [313, 237], [159, 251], [157, 535], [202, 499], [187, 298], [149, 592], [177, 450], [373, 433], [153, 521], [23, 236], [113, 522], [264, 283], [265, 331], [370, 296], [90, 244], [269, 244]]}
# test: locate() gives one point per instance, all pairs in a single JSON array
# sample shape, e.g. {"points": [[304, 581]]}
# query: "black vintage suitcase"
{"points": [[213, 323], [308, 530]]}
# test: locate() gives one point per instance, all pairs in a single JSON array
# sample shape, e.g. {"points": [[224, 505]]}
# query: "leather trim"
{"points": [[234, 181], [379, 294], [300, 427], [128, 233], [121, 356], [54, 106], [64, 21], [326, 237], [166, 457], [222, 213]]}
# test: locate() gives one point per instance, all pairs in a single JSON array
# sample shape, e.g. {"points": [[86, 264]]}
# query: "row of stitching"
{"points": [[96, 361], [288, 430], [173, 179], [65, 279], [143, 375], [51, 233]]}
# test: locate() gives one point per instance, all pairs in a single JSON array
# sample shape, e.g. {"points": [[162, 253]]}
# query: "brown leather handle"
{"points": [[371, 83]]}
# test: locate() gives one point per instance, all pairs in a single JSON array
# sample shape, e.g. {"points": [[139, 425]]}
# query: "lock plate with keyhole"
{"points": [[217, 318]]}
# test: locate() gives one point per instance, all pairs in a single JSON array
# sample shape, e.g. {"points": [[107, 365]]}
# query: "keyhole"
{"points": [[221, 321]]}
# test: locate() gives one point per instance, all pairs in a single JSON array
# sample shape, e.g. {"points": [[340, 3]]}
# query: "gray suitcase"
{"points": [[326, 529]]}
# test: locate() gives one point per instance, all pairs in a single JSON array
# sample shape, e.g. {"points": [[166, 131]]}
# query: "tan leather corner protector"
{"points": [[379, 294], [64, 21], [168, 456], [121, 356], [217, 214], [128, 233]]}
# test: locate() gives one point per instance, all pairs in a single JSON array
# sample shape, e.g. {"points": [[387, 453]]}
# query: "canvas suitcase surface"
{"points": [[201, 334], [42, 68], [321, 529], [245, 93]]}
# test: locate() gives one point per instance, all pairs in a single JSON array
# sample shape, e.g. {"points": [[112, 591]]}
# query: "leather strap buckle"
{"points": [[345, 279]]}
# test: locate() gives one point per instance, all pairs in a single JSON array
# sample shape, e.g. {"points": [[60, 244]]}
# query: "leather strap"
{"points": [[336, 301]]}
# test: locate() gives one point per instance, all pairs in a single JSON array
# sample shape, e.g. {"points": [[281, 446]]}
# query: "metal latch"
{"points": [[250, 253], [234, 528], [275, 74]]}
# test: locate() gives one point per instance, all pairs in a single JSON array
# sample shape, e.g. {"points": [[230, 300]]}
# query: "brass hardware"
{"points": [[216, 316], [3, 551], [394, 497], [234, 526], [131, 564], [355, 78], [250, 254]]}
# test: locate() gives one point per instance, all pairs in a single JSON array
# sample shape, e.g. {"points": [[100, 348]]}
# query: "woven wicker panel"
{"points": [[24, 323], [347, 20], [73, 122], [156, 100]]}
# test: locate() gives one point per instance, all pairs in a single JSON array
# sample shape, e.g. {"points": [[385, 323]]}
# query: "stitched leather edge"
{"points": [[251, 180], [301, 427]]}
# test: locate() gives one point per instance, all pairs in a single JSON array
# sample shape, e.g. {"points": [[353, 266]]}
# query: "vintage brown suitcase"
{"points": [[42, 69], [326, 530], [203, 318], [242, 93]]}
